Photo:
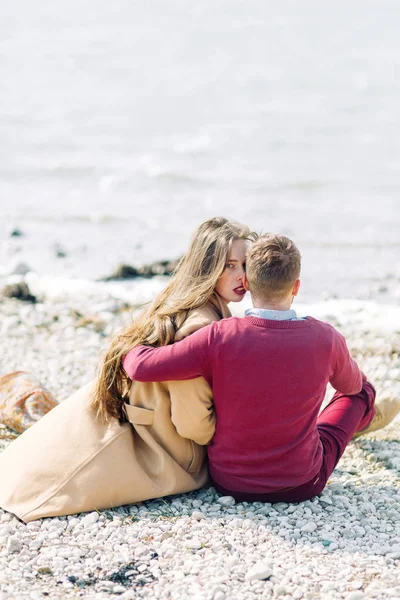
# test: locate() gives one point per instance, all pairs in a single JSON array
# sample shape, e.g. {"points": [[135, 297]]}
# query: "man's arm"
{"points": [[347, 377], [187, 359]]}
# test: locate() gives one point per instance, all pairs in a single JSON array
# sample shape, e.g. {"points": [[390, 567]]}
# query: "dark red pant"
{"points": [[336, 424]]}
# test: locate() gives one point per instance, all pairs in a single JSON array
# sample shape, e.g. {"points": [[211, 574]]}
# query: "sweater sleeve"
{"points": [[187, 359], [346, 377]]}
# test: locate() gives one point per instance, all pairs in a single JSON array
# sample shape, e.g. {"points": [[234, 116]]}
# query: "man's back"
{"points": [[269, 380]]}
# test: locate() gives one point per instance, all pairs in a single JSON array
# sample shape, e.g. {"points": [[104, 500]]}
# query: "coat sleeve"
{"points": [[192, 410], [347, 377]]}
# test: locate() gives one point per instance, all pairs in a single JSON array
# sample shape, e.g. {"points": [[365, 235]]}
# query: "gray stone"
{"points": [[14, 544]]}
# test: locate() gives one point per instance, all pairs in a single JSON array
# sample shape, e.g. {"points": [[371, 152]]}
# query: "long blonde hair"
{"points": [[191, 286]]}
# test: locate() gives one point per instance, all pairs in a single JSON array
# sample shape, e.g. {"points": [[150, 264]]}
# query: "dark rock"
{"points": [[20, 291], [164, 267], [127, 572], [59, 251], [123, 272], [16, 232]]}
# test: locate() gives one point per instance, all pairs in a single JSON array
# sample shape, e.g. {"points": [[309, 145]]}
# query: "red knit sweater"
{"points": [[269, 379]]}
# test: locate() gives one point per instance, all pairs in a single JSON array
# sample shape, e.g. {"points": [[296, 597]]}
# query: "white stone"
{"points": [[90, 519], [198, 515], [5, 530], [226, 501], [194, 544], [236, 523], [309, 527], [118, 589], [261, 570], [354, 596], [356, 585], [129, 595], [249, 524]]}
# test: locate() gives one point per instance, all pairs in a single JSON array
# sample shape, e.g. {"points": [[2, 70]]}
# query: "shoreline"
{"points": [[342, 545], [362, 266]]}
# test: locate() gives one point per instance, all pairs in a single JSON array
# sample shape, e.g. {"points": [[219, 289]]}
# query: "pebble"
{"points": [[14, 544], [91, 518], [309, 527], [261, 570], [355, 596], [194, 544], [198, 515], [226, 501]]}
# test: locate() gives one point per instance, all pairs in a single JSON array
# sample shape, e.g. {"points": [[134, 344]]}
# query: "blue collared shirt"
{"points": [[273, 315]]}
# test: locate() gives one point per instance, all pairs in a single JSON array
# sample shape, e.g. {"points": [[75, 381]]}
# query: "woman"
{"points": [[117, 442]]}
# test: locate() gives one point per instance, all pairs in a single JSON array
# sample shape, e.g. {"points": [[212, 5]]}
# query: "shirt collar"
{"points": [[272, 315]]}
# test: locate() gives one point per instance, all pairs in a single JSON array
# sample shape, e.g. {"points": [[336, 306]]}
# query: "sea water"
{"points": [[123, 125]]}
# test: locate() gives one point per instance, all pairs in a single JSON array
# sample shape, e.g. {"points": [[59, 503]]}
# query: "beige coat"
{"points": [[69, 462]]}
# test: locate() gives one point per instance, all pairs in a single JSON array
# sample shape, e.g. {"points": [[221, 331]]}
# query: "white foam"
{"points": [[64, 288]]}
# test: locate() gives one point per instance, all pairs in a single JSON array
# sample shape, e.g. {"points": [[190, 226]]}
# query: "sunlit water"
{"points": [[123, 125]]}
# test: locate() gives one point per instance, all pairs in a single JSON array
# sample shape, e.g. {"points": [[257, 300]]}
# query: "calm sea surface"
{"points": [[125, 124]]}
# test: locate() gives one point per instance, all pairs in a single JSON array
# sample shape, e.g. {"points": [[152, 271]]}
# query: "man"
{"points": [[269, 371]]}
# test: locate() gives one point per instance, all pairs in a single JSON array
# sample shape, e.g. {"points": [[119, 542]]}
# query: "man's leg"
{"points": [[339, 421], [336, 425]]}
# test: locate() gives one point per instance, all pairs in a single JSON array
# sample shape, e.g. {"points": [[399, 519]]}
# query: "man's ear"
{"points": [[296, 287], [245, 283]]}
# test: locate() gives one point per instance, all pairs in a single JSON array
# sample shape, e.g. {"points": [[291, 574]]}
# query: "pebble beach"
{"points": [[344, 544], [124, 125]]}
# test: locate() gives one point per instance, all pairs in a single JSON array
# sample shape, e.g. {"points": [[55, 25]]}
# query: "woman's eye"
{"points": [[230, 265]]}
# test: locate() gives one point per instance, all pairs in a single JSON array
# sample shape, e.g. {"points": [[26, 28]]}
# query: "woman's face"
{"points": [[230, 284]]}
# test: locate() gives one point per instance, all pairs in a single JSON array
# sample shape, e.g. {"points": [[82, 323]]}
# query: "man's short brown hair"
{"points": [[272, 266]]}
